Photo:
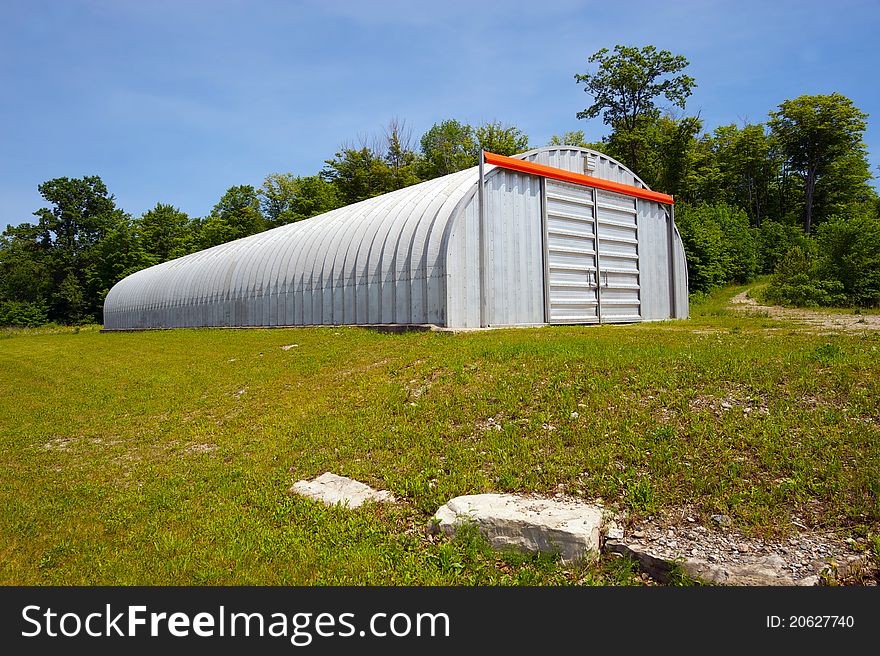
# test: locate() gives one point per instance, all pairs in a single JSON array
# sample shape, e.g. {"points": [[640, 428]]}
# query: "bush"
{"points": [[850, 251], [775, 240], [22, 314], [797, 282], [720, 246]]}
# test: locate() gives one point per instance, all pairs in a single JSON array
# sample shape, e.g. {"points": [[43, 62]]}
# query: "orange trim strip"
{"points": [[577, 178]]}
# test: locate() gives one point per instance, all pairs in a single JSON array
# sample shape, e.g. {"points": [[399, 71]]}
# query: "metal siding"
{"points": [[513, 205], [411, 256], [682, 309], [654, 261]]}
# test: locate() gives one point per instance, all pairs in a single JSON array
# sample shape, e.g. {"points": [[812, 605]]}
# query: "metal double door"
{"points": [[591, 255]]}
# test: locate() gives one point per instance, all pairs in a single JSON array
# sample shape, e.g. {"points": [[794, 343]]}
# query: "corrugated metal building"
{"points": [[555, 235]]}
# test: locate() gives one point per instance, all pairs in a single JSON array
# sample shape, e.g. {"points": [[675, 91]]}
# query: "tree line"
{"points": [[789, 196]]}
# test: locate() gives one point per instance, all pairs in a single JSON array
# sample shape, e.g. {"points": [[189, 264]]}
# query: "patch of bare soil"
{"points": [[814, 321]]}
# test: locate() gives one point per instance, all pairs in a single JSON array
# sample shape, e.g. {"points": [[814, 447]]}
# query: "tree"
{"points": [[815, 132], [25, 276], [446, 148], [625, 89], [500, 139], [744, 161], [83, 212], [164, 233], [400, 157], [573, 138], [118, 254], [236, 215], [719, 245], [286, 198], [277, 194], [358, 174]]}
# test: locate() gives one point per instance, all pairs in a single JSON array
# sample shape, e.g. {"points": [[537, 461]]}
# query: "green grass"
{"points": [[166, 457]]}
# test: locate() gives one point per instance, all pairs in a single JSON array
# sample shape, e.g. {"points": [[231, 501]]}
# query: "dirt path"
{"points": [[815, 321]]}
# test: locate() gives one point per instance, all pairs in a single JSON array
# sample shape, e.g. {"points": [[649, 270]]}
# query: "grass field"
{"points": [[166, 457]]}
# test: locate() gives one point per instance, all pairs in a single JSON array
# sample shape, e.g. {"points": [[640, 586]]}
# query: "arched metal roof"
{"points": [[379, 261]]}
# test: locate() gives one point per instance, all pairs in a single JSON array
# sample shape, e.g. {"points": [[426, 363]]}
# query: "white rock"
{"points": [[331, 490], [512, 521], [613, 531]]}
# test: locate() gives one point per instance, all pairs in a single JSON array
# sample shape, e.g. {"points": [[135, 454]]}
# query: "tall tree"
{"points": [[500, 139], [164, 233], [745, 163], [400, 156], [625, 90], [357, 174], [276, 196], [236, 215], [83, 212], [286, 198], [446, 148], [25, 276], [814, 133]]}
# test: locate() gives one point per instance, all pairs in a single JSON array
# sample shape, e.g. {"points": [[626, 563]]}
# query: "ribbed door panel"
{"points": [[618, 256], [571, 254]]}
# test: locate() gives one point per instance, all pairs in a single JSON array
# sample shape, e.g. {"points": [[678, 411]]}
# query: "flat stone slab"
{"points": [[529, 524], [764, 570], [331, 490]]}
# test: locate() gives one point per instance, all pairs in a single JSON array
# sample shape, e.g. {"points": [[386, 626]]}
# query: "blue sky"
{"points": [[175, 101]]}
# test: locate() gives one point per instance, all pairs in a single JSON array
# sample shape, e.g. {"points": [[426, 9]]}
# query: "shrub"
{"points": [[797, 282], [22, 314], [719, 245], [850, 251], [775, 240]]}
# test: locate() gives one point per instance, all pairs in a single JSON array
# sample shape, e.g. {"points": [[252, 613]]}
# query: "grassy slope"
{"points": [[165, 457]]}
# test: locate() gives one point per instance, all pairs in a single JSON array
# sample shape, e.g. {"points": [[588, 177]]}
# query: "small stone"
{"points": [[638, 534], [614, 532], [331, 489], [722, 520], [691, 520]]}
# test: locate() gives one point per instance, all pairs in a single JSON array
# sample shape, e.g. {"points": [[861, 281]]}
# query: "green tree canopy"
{"points": [[447, 147], [357, 174], [164, 233], [236, 215], [500, 139], [815, 132], [83, 212], [625, 89], [286, 198]]}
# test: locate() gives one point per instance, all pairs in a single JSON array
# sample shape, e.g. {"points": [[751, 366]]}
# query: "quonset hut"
{"points": [[554, 235]]}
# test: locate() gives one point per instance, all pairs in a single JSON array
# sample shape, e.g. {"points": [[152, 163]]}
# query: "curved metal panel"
{"points": [[364, 263], [410, 256]]}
